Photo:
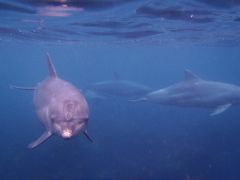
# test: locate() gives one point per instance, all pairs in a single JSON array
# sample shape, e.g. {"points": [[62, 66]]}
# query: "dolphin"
{"points": [[60, 106], [196, 92], [118, 88]]}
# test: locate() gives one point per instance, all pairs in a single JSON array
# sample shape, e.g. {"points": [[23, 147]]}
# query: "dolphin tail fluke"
{"points": [[22, 88], [51, 68], [220, 109], [88, 136], [40, 140]]}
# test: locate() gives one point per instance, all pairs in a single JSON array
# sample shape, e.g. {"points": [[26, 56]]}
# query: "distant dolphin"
{"points": [[196, 92], [119, 88], [60, 106]]}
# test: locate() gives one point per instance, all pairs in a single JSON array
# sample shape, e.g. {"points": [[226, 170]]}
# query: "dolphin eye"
{"points": [[53, 117], [83, 120]]}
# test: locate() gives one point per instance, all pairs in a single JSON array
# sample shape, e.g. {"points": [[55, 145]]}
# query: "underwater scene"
{"points": [[120, 89]]}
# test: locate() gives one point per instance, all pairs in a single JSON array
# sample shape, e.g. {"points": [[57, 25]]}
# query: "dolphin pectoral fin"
{"points": [[88, 136], [40, 140], [220, 109], [22, 88]]}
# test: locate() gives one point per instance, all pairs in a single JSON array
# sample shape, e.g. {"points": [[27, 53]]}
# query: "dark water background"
{"points": [[132, 140]]}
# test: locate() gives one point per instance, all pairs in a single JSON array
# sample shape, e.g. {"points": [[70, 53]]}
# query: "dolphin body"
{"points": [[196, 92], [60, 106], [119, 88]]}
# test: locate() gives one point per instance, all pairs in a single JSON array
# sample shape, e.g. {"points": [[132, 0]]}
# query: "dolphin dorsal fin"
{"points": [[51, 69], [116, 76], [189, 76]]}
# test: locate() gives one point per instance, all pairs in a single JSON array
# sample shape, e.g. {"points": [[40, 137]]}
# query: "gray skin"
{"points": [[119, 88], [196, 92], [60, 106]]}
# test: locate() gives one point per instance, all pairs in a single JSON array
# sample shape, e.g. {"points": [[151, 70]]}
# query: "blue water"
{"points": [[147, 42]]}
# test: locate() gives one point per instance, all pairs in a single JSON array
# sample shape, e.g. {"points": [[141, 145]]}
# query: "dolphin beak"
{"points": [[67, 133]]}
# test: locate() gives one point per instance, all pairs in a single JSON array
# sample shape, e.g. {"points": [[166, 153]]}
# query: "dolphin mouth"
{"points": [[67, 133]]}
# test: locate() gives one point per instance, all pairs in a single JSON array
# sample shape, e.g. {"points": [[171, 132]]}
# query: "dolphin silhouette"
{"points": [[60, 106], [196, 92], [117, 88]]}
